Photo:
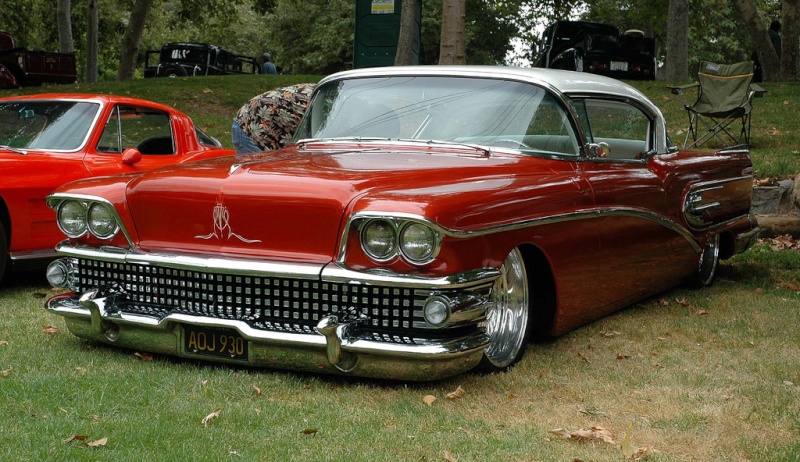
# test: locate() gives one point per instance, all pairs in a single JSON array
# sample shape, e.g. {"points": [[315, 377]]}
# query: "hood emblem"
{"points": [[222, 227]]}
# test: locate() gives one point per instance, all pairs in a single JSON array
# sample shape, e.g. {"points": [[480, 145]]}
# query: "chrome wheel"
{"points": [[707, 265], [507, 322]]}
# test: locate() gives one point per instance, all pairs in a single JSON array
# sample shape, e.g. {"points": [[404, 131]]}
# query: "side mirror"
{"points": [[600, 150], [131, 156]]}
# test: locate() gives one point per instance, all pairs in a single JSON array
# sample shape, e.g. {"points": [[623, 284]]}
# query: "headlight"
{"points": [[418, 243], [72, 218], [102, 222], [379, 239]]}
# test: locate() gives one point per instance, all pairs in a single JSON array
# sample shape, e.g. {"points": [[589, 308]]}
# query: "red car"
{"points": [[49, 139], [426, 221]]}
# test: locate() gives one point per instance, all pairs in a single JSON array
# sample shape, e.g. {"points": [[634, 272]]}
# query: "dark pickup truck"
{"points": [[21, 67], [598, 48], [181, 59]]}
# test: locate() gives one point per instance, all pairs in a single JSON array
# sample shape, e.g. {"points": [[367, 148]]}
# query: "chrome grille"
{"points": [[270, 303]]}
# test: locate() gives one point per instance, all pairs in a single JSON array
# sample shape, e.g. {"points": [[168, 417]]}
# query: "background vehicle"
{"points": [[194, 59], [599, 49], [49, 139], [32, 68], [426, 221]]}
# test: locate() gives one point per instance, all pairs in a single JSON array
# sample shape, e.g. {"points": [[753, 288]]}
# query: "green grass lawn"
{"points": [[706, 375]]}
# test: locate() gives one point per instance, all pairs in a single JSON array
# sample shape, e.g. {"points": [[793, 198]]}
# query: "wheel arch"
{"points": [[5, 220], [542, 288]]}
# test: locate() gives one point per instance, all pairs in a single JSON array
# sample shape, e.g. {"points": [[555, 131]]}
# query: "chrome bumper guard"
{"points": [[335, 349]]}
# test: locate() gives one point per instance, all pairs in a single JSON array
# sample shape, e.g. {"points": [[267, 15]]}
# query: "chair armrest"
{"points": [[678, 89], [757, 91]]}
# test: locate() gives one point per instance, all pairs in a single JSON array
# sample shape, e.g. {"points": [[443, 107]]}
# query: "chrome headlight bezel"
{"points": [[102, 227], [71, 218], [379, 239], [400, 237], [415, 236]]}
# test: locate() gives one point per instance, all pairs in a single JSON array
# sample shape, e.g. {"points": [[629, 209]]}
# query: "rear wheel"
{"points": [[507, 323], [707, 265], [174, 70]]}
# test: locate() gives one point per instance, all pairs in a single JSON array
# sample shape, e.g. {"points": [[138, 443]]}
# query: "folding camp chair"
{"points": [[724, 96]]}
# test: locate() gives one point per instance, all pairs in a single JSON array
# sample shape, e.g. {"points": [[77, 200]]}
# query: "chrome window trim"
{"points": [[534, 222]]}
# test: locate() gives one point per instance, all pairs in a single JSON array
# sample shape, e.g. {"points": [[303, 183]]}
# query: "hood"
{"points": [[287, 205]]}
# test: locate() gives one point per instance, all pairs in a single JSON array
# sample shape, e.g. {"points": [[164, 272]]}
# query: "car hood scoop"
{"points": [[286, 206]]}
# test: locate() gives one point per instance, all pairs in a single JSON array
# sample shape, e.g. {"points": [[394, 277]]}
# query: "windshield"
{"points": [[481, 111], [52, 125]]}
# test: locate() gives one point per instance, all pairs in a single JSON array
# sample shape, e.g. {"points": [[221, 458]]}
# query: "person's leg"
{"points": [[241, 142]]}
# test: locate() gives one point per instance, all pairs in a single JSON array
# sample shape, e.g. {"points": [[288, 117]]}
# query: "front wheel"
{"points": [[507, 323], [707, 265]]}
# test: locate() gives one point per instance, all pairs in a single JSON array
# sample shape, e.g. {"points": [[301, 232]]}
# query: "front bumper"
{"points": [[335, 348]]}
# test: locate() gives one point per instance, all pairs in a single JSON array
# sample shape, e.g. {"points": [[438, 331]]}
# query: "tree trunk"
{"points": [[408, 34], [790, 42], [129, 51], [93, 21], [64, 20], [766, 52], [451, 50], [677, 41]]}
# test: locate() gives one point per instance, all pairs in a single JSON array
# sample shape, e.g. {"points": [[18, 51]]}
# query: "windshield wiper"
{"points": [[17, 150], [455, 144]]}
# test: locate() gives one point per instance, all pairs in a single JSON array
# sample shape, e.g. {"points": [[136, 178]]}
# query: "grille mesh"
{"points": [[270, 303]]}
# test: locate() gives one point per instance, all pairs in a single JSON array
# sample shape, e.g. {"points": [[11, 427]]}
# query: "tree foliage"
{"points": [[316, 36]]}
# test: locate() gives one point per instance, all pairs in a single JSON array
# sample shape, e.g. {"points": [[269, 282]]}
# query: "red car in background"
{"points": [[47, 140]]}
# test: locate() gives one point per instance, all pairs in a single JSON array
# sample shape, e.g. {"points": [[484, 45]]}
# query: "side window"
{"points": [[148, 130], [625, 128]]}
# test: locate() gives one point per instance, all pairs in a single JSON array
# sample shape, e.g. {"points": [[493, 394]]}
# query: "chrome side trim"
{"points": [[32, 255], [583, 214], [334, 272], [241, 267]]}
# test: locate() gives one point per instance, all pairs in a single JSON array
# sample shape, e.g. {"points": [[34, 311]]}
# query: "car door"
{"points": [[151, 131], [642, 249]]}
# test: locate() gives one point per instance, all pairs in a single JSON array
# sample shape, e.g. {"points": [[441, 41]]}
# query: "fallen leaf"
{"points": [[3, 342], [39, 295], [627, 447], [428, 400], [583, 357], [257, 411], [621, 356], [7, 371], [774, 131], [51, 330], [208, 90], [663, 302], [682, 302], [207, 419], [309, 431], [74, 438], [609, 334], [449, 457], [702, 313], [591, 434], [591, 411], [98, 443], [457, 394], [144, 356], [257, 390], [759, 291]]}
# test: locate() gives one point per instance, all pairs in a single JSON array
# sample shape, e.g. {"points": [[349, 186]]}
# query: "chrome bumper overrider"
{"points": [[336, 348]]}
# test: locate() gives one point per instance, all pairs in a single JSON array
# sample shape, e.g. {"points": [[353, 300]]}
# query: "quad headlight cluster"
{"points": [[383, 239], [77, 217]]}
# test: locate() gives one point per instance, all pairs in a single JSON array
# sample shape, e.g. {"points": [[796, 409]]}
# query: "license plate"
{"points": [[619, 66], [217, 343]]}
